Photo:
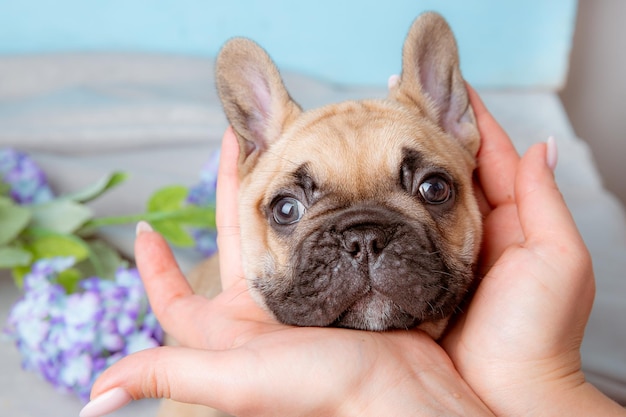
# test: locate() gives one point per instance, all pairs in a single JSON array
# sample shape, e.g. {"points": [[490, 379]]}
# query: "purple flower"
{"points": [[27, 182], [203, 194], [140, 341], [206, 241], [69, 339]]}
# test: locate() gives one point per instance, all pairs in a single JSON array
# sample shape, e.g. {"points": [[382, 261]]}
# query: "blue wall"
{"points": [[514, 43]]}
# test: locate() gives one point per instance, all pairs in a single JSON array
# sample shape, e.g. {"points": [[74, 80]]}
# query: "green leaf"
{"points": [[11, 257], [5, 188], [97, 189], [61, 216], [18, 275], [69, 279], [59, 245], [168, 213], [103, 261], [167, 198], [195, 216], [174, 233], [13, 219]]}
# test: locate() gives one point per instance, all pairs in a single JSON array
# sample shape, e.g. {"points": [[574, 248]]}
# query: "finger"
{"points": [[551, 235], [546, 221], [501, 231], [181, 374], [220, 379], [483, 204], [227, 212], [171, 297], [497, 158], [562, 266]]}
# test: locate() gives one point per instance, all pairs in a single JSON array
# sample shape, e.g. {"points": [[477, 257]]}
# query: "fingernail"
{"points": [[393, 81], [106, 403], [552, 153], [143, 226]]}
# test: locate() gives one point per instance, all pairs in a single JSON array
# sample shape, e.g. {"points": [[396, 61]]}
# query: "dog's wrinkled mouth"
{"points": [[375, 311], [367, 267]]}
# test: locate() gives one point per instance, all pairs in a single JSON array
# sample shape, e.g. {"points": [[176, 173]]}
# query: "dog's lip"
{"points": [[363, 302], [352, 307]]}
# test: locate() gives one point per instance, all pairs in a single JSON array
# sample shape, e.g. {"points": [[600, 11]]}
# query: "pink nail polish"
{"points": [[106, 403], [552, 153], [393, 81], [143, 226]]}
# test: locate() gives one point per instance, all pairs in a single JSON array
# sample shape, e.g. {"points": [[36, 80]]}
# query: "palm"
{"points": [[521, 333], [528, 315], [230, 335], [508, 328]]}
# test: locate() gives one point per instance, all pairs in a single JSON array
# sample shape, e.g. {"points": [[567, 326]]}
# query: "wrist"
{"points": [[572, 397], [432, 389], [585, 400]]}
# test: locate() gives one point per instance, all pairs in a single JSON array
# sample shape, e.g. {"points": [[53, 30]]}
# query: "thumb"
{"points": [[541, 207], [171, 297], [547, 223], [181, 374], [552, 236], [162, 278], [228, 239]]}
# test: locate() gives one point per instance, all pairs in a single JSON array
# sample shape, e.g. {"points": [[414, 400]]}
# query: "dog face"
{"points": [[359, 214]]}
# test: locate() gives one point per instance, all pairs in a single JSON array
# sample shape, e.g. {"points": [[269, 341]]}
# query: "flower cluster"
{"points": [[27, 183], [69, 339], [77, 317], [203, 194]]}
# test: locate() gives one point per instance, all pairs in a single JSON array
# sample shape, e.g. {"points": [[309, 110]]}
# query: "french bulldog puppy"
{"points": [[359, 214]]}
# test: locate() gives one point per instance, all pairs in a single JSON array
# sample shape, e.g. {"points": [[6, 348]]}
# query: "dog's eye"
{"points": [[435, 190], [288, 210]]}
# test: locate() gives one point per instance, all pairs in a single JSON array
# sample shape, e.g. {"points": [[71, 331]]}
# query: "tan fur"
{"points": [[337, 130], [205, 278], [355, 152]]}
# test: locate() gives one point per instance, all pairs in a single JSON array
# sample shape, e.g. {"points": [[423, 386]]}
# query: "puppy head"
{"points": [[359, 214]]}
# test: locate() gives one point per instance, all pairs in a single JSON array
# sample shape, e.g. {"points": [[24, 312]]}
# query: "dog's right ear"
{"points": [[254, 98], [431, 80]]}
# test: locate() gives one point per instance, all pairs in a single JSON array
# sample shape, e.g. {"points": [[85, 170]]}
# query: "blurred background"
{"points": [[91, 86], [595, 93], [526, 44]]}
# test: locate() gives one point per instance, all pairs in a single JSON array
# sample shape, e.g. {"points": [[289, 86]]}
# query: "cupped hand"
{"points": [[518, 343], [235, 357], [516, 346]]}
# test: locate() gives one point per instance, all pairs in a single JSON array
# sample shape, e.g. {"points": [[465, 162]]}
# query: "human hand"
{"points": [[236, 358], [518, 343]]}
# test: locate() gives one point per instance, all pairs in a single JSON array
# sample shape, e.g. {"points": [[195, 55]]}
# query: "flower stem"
{"points": [[154, 216]]}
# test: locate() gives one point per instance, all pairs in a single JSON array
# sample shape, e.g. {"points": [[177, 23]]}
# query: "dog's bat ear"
{"points": [[431, 79], [254, 98]]}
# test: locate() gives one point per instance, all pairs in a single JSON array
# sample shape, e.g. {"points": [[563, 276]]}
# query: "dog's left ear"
{"points": [[431, 79], [254, 98]]}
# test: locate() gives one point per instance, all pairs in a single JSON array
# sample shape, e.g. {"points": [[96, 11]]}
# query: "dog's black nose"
{"points": [[365, 243]]}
